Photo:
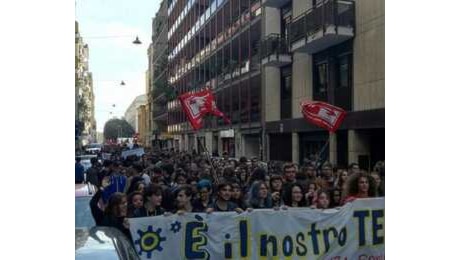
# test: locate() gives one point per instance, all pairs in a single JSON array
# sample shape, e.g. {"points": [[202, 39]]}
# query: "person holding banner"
{"points": [[222, 202], [238, 196], [259, 196], [294, 196], [336, 198], [114, 214], [276, 189], [359, 186], [322, 200], [204, 201], [136, 207], [152, 200], [183, 196]]}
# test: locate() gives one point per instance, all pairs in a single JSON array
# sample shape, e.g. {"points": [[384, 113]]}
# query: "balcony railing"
{"points": [[273, 44], [275, 3], [330, 17]]}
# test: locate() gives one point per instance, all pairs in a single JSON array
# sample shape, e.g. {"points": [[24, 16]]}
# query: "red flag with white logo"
{"points": [[197, 105], [323, 114]]}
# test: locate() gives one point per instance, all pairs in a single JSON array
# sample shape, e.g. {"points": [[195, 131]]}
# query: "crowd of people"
{"points": [[173, 182]]}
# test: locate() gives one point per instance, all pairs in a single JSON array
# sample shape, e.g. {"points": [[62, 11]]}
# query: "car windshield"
{"points": [[94, 146], [83, 216]]}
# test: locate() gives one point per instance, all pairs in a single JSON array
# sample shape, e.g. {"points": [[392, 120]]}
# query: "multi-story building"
{"points": [[85, 122], [214, 44], [142, 124], [159, 93], [262, 58], [331, 51], [131, 114]]}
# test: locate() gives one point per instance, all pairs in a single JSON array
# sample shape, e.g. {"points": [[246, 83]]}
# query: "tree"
{"points": [[115, 128]]}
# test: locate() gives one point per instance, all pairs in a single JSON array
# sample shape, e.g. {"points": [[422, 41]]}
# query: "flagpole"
{"points": [[320, 155], [216, 179]]}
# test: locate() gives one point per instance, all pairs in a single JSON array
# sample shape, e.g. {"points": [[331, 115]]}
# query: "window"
{"points": [[344, 71], [286, 18], [333, 75], [320, 81], [286, 92]]}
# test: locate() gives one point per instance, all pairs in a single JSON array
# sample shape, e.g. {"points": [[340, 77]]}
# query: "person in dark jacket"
{"points": [[114, 214], [152, 200], [136, 207], [259, 196], [223, 203], [238, 196], [203, 201], [79, 171], [92, 174]]}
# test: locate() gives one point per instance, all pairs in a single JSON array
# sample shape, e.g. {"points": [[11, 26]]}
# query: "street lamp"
{"points": [[137, 41]]}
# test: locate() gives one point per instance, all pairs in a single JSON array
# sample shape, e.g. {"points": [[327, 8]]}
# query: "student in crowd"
{"points": [[380, 188], [310, 195], [223, 201], [136, 207], [359, 186], [276, 189], [259, 196], [204, 199], [322, 200], [152, 200], [294, 196], [341, 180], [327, 179], [336, 198], [183, 196], [238, 196]]}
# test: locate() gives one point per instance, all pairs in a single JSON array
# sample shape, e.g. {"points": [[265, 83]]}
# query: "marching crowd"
{"points": [[170, 182]]}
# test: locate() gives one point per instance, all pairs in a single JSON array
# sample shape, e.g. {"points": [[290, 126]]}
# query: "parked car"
{"points": [[86, 160], [83, 195], [103, 243], [93, 148]]}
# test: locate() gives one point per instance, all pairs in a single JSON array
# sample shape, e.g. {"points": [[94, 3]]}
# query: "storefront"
{"points": [[228, 142]]}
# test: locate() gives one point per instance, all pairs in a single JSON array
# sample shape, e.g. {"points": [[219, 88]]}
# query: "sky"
{"points": [[109, 27]]}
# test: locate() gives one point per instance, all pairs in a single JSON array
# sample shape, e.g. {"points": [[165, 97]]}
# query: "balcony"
{"points": [[274, 51], [330, 23], [275, 3]]}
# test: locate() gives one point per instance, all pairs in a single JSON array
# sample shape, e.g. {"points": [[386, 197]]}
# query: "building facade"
{"points": [[332, 51], [142, 125], [261, 58], [85, 123], [131, 114], [214, 44], [159, 93]]}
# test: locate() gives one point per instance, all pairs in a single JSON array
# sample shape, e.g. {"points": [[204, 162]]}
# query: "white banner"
{"points": [[138, 151], [356, 231]]}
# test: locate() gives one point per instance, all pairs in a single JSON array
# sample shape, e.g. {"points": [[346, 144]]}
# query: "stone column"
{"points": [[238, 144], [358, 144], [208, 138], [295, 147], [333, 148]]}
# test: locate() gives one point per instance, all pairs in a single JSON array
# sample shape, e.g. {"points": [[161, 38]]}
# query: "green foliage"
{"points": [[115, 128]]}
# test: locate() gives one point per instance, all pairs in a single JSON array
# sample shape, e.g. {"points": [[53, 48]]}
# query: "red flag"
{"points": [[196, 105], [323, 114]]}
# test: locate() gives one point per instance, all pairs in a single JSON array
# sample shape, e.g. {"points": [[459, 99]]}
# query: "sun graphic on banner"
{"points": [[149, 241], [175, 227]]}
